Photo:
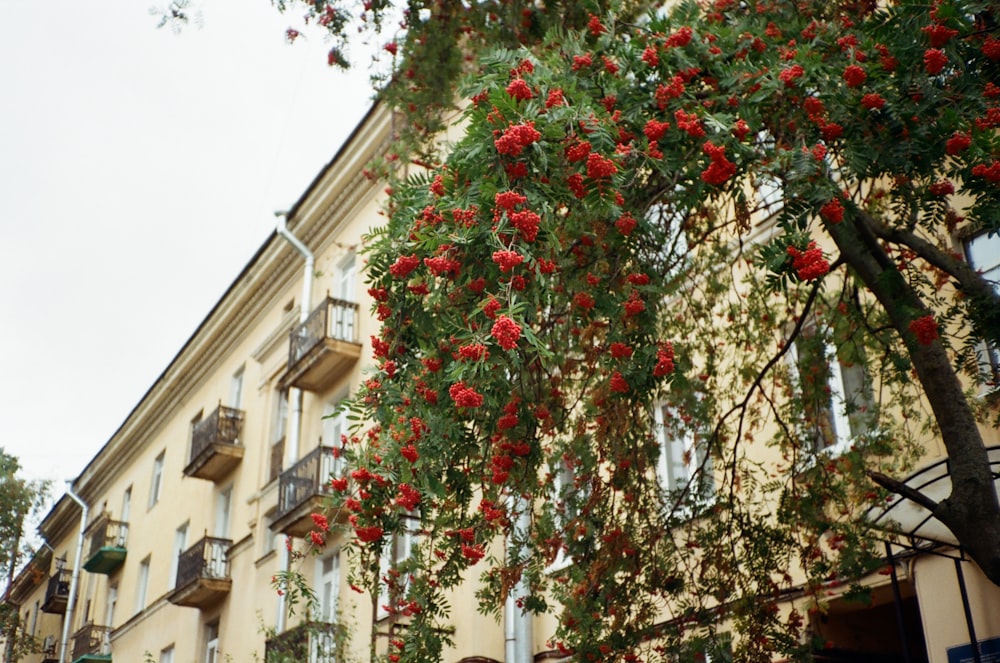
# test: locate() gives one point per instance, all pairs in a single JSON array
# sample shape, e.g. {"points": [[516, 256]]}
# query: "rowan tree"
{"points": [[20, 498], [701, 212]]}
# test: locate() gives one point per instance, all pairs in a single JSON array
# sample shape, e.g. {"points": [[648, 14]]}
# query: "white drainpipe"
{"points": [[71, 602], [517, 623], [294, 395]]}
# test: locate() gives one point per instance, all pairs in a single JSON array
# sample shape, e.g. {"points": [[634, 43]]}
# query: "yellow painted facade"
{"points": [[205, 477]]}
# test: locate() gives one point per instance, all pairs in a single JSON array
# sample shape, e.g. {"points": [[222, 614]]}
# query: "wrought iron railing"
{"points": [[92, 640], [107, 533], [334, 318], [58, 587], [209, 558], [223, 426], [310, 476], [312, 642]]}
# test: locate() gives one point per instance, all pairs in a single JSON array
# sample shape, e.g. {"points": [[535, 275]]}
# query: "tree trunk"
{"points": [[971, 511]]}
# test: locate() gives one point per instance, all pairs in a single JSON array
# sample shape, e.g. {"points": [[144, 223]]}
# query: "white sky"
{"points": [[139, 172]]}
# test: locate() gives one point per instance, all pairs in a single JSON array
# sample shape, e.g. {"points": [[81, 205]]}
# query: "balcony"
{"points": [[312, 642], [107, 545], [57, 592], [302, 488], [323, 347], [215, 444], [203, 574], [92, 643]]}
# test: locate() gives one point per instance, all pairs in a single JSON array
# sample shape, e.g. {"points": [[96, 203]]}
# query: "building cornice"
{"points": [[318, 214]]}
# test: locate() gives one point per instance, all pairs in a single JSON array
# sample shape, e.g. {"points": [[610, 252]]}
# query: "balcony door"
{"points": [[342, 319], [323, 647]]}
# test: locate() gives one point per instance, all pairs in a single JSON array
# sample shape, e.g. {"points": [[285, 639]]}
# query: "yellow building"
{"points": [[170, 537]]}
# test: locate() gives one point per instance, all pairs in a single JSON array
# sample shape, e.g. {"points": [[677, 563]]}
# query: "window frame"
{"points": [[682, 459], [840, 431], [156, 482], [987, 356], [142, 584]]}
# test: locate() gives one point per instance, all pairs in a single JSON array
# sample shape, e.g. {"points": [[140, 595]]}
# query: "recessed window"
{"points": [[983, 253], [685, 463], [396, 549], [142, 585], [157, 480], [236, 389], [180, 545], [836, 394]]}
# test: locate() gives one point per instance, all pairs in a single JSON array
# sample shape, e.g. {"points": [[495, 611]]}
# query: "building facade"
{"points": [[180, 519]]}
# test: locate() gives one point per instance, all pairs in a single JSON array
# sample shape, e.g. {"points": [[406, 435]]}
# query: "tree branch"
{"points": [[900, 488]]}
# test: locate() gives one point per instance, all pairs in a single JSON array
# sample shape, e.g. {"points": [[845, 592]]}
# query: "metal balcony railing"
{"points": [[312, 642], [308, 477], [107, 533], [92, 640], [334, 319], [209, 558], [223, 426], [57, 591]]}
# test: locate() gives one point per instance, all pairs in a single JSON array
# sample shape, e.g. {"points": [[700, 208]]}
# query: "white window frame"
{"points": [[328, 586], [236, 388], [396, 549], [684, 457], [211, 643], [223, 512], [156, 482], [111, 605], [180, 545], [843, 434], [982, 252], [563, 477], [167, 654], [336, 424], [126, 504], [142, 584]]}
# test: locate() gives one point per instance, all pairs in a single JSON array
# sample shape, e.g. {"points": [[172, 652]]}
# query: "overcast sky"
{"points": [[139, 172]]}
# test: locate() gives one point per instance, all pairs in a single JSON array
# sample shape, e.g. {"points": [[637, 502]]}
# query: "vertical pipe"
{"points": [[75, 578], [517, 623], [898, 601], [294, 395], [976, 655]]}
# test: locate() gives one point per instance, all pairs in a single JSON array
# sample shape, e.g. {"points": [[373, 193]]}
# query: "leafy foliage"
{"points": [[20, 498], [709, 212]]}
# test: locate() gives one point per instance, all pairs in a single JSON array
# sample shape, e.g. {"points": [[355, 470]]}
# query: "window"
{"points": [[212, 643], [347, 272], [278, 435], [328, 572], [142, 585], [223, 508], [836, 394], [167, 655], [109, 612], [126, 504], [269, 538], [342, 318], [236, 389], [335, 426], [34, 619], [684, 462], [180, 544], [983, 253], [157, 481], [568, 494], [395, 550]]}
